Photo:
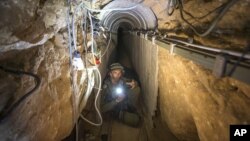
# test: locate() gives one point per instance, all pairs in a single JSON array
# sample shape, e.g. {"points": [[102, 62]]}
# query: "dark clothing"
{"points": [[109, 96]]}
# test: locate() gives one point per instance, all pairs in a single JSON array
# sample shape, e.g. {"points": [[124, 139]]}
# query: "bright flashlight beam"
{"points": [[118, 90]]}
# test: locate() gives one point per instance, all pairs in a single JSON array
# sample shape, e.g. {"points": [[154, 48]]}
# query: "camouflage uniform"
{"points": [[108, 99]]}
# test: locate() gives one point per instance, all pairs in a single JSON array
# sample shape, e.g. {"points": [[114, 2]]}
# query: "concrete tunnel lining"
{"points": [[114, 20], [143, 16], [140, 17]]}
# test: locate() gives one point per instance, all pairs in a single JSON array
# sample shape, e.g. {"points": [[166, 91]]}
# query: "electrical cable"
{"points": [[84, 45], [69, 34], [203, 16], [92, 36], [74, 32], [86, 49], [88, 90], [97, 88], [174, 4], [93, 49], [107, 46], [84, 35], [214, 22], [9, 44], [6, 112], [96, 108], [72, 48]]}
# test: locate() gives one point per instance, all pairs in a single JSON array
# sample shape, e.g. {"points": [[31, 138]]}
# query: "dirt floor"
{"points": [[115, 130], [121, 132]]}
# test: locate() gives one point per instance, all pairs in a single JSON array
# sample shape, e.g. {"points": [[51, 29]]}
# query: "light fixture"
{"points": [[77, 61]]}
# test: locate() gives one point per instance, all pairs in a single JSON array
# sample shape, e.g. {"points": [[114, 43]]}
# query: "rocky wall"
{"points": [[47, 113], [28, 23], [197, 106], [231, 31]]}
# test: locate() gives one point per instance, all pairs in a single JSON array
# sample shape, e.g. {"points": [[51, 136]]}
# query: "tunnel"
{"points": [[189, 58]]}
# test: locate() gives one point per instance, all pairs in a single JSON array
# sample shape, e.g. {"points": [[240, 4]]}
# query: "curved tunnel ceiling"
{"points": [[133, 15]]}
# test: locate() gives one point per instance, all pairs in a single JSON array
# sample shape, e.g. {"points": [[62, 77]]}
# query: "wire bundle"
{"points": [[72, 47], [174, 4]]}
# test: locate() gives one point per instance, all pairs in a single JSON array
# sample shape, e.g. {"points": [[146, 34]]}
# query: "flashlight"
{"points": [[118, 91]]}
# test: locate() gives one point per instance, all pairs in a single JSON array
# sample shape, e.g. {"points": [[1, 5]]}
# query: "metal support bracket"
{"points": [[219, 66], [153, 40], [141, 35], [171, 51]]}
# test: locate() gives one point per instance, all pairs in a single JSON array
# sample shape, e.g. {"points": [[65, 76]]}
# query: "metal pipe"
{"points": [[233, 53]]}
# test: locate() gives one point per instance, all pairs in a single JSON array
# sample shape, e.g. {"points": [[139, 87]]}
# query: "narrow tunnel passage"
{"points": [[159, 131], [192, 87], [114, 129]]}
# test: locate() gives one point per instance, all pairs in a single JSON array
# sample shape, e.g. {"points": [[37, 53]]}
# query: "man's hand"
{"points": [[120, 98], [132, 84]]}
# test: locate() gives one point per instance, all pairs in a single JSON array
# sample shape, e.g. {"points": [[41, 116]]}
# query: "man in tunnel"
{"points": [[120, 96]]}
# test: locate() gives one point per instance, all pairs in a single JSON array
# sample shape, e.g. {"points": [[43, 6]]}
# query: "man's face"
{"points": [[116, 75]]}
